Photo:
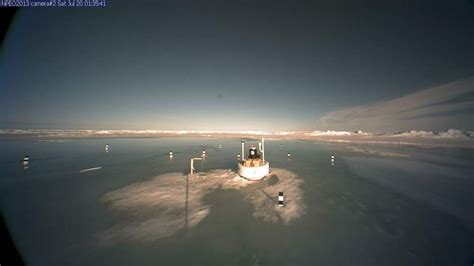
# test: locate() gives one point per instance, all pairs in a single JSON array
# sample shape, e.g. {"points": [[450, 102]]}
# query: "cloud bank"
{"points": [[447, 106]]}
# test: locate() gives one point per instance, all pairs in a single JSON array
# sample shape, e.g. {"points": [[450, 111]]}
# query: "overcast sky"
{"points": [[238, 65]]}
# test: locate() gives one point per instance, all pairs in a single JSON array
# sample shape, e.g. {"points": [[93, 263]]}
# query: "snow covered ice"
{"points": [[157, 207]]}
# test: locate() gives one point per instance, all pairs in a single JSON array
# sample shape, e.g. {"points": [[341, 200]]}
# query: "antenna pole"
{"points": [[261, 147]]}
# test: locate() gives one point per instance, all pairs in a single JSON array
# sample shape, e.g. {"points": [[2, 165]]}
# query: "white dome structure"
{"points": [[254, 167]]}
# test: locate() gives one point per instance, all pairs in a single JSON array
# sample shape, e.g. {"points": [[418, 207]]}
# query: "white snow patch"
{"points": [[337, 133]]}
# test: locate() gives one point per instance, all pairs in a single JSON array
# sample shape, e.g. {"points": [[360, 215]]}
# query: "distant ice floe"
{"points": [[118, 132], [378, 153], [156, 208], [328, 135], [450, 133], [337, 133]]}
